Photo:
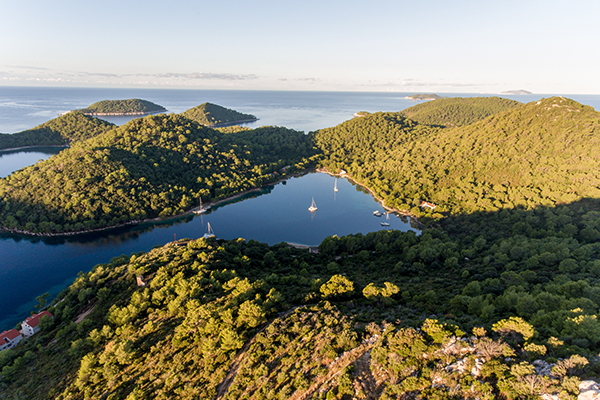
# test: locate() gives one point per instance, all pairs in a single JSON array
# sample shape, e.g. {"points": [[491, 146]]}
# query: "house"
{"points": [[31, 325], [427, 204], [9, 339]]}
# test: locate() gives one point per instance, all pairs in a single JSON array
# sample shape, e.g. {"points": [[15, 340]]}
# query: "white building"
{"points": [[32, 324], [9, 339]]}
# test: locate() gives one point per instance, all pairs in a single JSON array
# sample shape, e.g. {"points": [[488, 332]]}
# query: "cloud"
{"points": [[27, 67], [203, 75], [311, 80]]}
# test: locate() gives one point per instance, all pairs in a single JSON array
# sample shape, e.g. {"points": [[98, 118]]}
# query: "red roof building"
{"points": [[31, 324], [9, 339]]}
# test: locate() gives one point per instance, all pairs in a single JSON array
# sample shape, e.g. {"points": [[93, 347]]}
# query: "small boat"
{"points": [[200, 209], [377, 213], [387, 219], [313, 206], [335, 189], [209, 232]]}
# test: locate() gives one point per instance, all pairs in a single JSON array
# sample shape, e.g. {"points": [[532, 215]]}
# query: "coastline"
{"points": [[94, 114], [35, 146], [215, 203], [157, 219], [232, 123], [380, 200]]}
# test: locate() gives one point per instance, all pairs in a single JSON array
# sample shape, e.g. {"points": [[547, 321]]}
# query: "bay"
{"points": [[32, 266], [13, 160]]}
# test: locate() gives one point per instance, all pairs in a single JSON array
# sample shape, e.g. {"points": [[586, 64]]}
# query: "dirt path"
{"points": [[336, 367], [235, 365]]}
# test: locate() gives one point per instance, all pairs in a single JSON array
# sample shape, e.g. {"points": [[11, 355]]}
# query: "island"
{"points": [[361, 114], [519, 92], [121, 108], [213, 115], [424, 96]]}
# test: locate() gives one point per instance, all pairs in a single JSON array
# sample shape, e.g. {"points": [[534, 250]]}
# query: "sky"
{"points": [[327, 45]]}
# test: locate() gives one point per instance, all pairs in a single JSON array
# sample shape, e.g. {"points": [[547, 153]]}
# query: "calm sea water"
{"points": [[31, 266]]}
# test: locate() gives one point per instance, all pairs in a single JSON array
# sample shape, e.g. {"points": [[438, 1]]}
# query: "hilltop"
{"points": [[157, 166], [540, 153], [122, 107], [214, 115], [59, 131], [458, 111]]}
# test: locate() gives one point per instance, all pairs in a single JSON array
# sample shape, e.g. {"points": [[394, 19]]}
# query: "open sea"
{"points": [[31, 266]]}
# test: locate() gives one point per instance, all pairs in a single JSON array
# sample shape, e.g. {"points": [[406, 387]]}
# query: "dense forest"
{"points": [[214, 115], [157, 166], [129, 106], [497, 298], [458, 111], [506, 310], [59, 131], [540, 153]]}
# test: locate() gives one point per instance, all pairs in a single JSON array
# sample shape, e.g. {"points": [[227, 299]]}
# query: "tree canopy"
{"points": [[214, 115]]}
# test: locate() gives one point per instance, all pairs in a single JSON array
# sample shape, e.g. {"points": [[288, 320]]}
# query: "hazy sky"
{"points": [[405, 46]]}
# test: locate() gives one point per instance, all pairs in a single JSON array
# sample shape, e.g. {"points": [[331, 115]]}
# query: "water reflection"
{"points": [[31, 265]]}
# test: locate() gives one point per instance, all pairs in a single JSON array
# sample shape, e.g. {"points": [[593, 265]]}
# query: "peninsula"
{"points": [[121, 107]]}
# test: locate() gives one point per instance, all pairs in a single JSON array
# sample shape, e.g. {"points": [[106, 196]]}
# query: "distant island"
{"points": [[121, 107], [520, 91], [361, 113], [213, 115], [424, 96]]}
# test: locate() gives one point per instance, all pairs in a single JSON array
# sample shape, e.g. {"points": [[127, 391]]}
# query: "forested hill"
{"points": [[214, 115], [122, 107], [541, 153], [388, 315], [58, 131], [458, 111], [150, 167]]}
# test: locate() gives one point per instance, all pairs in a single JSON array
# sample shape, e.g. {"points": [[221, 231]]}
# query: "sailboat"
{"points": [[200, 209], [387, 220], [209, 232], [313, 206], [335, 189]]}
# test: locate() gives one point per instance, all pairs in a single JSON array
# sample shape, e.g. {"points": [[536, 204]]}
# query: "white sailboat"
{"points": [[200, 209], [335, 189], [313, 206], [209, 232], [387, 220]]}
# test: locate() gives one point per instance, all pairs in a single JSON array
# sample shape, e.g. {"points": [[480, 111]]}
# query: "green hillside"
{"points": [[387, 315], [156, 166], [540, 153], [458, 111], [497, 299], [129, 106], [58, 131], [211, 114]]}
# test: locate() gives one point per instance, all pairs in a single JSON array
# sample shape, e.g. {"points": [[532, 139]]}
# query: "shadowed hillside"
{"points": [[63, 130]]}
